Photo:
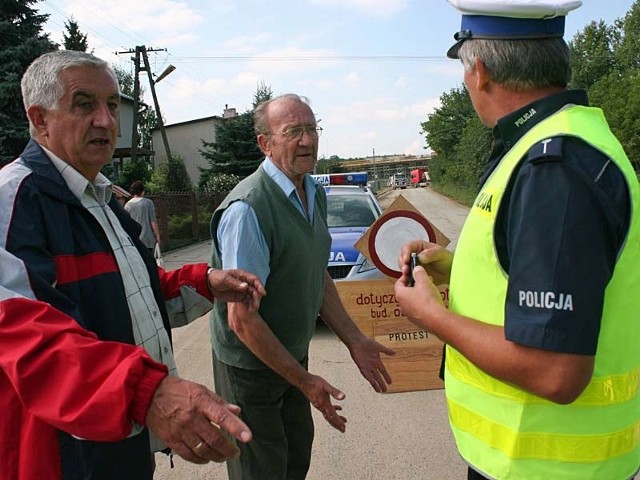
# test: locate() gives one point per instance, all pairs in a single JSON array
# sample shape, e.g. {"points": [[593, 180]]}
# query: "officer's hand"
{"points": [[421, 302], [434, 258]]}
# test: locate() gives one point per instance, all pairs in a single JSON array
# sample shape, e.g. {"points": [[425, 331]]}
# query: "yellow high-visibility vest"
{"points": [[505, 432]]}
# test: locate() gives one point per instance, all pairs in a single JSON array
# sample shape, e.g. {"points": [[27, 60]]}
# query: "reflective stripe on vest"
{"points": [[547, 446], [600, 391]]}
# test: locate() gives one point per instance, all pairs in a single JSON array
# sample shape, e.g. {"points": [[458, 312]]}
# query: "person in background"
{"points": [[87, 376], [143, 211], [542, 331], [274, 224]]}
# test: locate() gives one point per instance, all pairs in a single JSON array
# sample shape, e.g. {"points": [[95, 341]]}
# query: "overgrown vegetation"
{"points": [[170, 176]]}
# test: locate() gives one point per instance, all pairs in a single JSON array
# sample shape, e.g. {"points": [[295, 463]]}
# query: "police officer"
{"points": [[542, 359]]}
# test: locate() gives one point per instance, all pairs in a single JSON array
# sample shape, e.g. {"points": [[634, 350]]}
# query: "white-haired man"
{"points": [[85, 352]]}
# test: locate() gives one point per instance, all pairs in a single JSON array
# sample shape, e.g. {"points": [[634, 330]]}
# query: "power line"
{"points": [[312, 58], [107, 40], [188, 71]]}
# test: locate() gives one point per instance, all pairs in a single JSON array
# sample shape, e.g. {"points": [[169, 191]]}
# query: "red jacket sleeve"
{"points": [[193, 275], [68, 378]]}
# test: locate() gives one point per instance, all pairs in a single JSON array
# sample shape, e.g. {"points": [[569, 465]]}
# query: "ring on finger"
{"points": [[198, 446]]}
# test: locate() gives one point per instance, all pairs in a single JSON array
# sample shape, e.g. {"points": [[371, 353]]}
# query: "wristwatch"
{"points": [[209, 286]]}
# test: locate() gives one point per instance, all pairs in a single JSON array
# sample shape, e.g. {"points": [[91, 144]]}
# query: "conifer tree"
{"points": [[235, 150], [73, 38], [22, 42]]}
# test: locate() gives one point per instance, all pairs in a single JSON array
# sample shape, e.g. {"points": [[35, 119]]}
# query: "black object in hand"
{"points": [[412, 264]]}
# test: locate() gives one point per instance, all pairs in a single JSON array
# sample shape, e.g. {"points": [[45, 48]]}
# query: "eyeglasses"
{"points": [[295, 133]]}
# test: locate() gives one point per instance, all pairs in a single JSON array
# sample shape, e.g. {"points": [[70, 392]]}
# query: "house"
{"points": [[122, 152], [121, 194], [185, 140]]}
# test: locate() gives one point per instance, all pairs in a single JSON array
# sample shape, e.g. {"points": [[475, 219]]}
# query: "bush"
{"points": [[170, 176], [461, 194], [132, 171], [219, 182], [181, 228]]}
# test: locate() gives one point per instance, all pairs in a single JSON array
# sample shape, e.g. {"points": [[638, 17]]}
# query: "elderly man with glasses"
{"points": [[273, 224]]}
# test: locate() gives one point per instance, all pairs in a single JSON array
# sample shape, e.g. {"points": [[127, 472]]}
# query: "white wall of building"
{"points": [[125, 126], [185, 140]]}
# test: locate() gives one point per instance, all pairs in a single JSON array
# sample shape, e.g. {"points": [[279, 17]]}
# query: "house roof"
{"points": [[120, 192], [195, 120]]}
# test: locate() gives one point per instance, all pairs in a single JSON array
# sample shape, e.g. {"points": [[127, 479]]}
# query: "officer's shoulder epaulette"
{"points": [[548, 150]]}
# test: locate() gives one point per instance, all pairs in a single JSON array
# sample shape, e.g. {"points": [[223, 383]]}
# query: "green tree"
{"points": [[592, 56], [626, 49], [444, 126], [461, 145], [170, 176], [147, 121], [333, 164], [262, 94], [472, 152], [22, 42], [235, 150], [74, 39], [125, 79], [605, 60], [618, 93], [619, 97], [131, 172]]}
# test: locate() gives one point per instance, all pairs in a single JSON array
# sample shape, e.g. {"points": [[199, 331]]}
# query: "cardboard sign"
{"points": [[372, 306]]}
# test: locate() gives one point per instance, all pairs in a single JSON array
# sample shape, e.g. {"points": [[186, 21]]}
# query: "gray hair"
{"points": [[520, 65], [41, 84], [260, 114]]}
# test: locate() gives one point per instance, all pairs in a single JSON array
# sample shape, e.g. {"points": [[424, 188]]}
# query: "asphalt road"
{"points": [[400, 436]]}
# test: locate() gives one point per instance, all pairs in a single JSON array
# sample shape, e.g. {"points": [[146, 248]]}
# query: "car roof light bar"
{"points": [[352, 178]]}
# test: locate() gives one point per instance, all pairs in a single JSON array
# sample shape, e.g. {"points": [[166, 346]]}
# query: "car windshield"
{"points": [[350, 211]]}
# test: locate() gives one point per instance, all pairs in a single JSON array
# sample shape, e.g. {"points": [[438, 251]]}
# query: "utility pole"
{"points": [[141, 51], [136, 106]]}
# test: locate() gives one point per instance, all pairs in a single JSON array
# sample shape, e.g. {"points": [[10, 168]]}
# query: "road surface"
{"points": [[400, 436]]}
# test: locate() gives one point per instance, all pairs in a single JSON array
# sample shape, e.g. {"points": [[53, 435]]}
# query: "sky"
{"points": [[373, 70]]}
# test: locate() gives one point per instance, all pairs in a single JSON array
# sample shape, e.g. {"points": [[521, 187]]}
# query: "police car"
{"points": [[351, 209]]}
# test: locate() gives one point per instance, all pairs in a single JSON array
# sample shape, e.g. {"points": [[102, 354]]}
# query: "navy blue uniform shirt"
{"points": [[562, 221]]}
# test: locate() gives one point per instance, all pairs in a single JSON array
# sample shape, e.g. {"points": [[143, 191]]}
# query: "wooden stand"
{"points": [[416, 364]]}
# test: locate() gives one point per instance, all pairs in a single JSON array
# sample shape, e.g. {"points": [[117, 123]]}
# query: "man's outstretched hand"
{"points": [[192, 421], [236, 286]]}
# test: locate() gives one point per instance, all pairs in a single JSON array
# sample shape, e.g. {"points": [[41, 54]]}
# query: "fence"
{"points": [[183, 218]]}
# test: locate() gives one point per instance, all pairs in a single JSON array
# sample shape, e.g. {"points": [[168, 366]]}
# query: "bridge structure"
{"points": [[380, 168]]}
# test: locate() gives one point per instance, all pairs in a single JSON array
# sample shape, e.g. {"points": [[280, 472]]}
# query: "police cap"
{"points": [[510, 19]]}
